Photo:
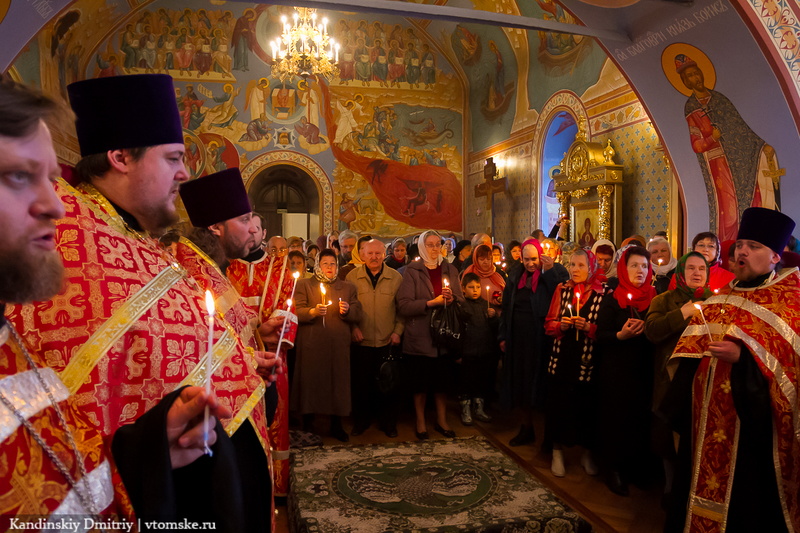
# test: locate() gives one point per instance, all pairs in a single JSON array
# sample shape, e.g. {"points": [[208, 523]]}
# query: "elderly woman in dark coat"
{"points": [[321, 381], [526, 300], [428, 283]]}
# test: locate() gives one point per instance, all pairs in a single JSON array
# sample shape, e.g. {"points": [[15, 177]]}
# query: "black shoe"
{"points": [[389, 431], [340, 434], [449, 433], [359, 429], [617, 484], [526, 435], [422, 435]]}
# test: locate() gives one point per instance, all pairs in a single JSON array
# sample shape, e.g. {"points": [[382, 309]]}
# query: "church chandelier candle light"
{"points": [[304, 47]]}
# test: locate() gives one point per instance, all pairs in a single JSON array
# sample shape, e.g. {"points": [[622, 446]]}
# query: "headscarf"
{"points": [[436, 260], [640, 296], [488, 277], [601, 242], [318, 274], [662, 270], [536, 273], [700, 293], [355, 257], [595, 279], [634, 238]]}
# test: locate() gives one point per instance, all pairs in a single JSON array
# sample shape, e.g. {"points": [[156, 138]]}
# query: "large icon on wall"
{"points": [[739, 168]]}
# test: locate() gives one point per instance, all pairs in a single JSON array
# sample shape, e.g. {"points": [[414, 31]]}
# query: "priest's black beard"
{"points": [[23, 280]]}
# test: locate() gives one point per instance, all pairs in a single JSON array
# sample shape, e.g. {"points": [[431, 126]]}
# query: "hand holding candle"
{"points": [[708, 330], [210, 308]]}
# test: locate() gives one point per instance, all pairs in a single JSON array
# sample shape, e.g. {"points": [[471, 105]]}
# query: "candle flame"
{"points": [[660, 261], [698, 307], [329, 302], [296, 275], [289, 303], [446, 282], [569, 306], [210, 307], [630, 296], [716, 291], [578, 295], [322, 288]]}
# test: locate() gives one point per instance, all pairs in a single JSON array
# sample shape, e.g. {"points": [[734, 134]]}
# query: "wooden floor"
{"points": [[639, 513]]}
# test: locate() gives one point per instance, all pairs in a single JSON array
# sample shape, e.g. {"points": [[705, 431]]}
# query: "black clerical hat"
{"points": [[125, 112], [767, 226], [215, 198]]}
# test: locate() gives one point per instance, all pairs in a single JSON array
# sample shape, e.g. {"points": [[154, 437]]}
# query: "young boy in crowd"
{"points": [[477, 357]]}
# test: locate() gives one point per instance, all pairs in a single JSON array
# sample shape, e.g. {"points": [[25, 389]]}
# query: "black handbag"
{"points": [[447, 328], [389, 378]]}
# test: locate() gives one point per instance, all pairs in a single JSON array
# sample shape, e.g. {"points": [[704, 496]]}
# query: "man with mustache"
{"points": [[130, 325], [744, 389], [40, 414]]}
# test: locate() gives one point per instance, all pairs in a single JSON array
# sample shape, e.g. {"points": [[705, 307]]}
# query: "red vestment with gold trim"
{"points": [[31, 486], [766, 320], [249, 278], [129, 326]]}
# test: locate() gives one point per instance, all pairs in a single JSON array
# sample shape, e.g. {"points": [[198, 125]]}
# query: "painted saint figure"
{"points": [[737, 165]]}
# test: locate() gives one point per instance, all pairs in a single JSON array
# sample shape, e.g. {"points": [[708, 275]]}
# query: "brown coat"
{"points": [[321, 382], [412, 303]]}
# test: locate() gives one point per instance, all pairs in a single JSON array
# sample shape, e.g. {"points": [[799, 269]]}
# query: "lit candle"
{"points": [[296, 276], [210, 308], [630, 303], [488, 298], [578, 303], [280, 339], [708, 330], [446, 282], [571, 314], [322, 298]]}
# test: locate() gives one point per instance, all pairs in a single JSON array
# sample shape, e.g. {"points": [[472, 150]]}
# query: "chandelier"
{"points": [[304, 48]]}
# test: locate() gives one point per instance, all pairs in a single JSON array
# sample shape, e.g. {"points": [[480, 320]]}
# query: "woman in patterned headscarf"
{"points": [[571, 393], [326, 306], [669, 314]]}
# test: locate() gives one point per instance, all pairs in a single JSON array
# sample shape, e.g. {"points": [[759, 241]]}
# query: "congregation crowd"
{"points": [[105, 335]]}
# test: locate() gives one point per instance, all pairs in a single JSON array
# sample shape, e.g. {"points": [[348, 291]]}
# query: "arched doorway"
{"points": [[559, 135], [287, 197]]}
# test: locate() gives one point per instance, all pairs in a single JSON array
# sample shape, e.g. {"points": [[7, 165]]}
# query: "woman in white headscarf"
{"points": [[428, 283], [662, 262]]}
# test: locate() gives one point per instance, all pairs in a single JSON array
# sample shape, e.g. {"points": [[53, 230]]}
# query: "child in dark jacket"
{"points": [[477, 355]]}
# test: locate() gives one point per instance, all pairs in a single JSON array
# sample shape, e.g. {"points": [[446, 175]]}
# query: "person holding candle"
{"points": [[667, 318], [625, 371], [571, 392], [326, 308], [129, 175], [478, 355], [492, 281], [740, 390], [45, 424], [662, 262], [525, 347], [428, 283]]}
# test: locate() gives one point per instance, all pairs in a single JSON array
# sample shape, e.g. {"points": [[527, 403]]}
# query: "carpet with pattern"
{"points": [[435, 486]]}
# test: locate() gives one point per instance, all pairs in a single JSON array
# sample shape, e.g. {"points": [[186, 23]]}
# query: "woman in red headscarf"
{"points": [[492, 282], [625, 371], [571, 394], [526, 299]]}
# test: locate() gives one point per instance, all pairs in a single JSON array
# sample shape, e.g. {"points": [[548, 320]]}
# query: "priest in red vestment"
{"points": [[130, 325], [739, 364], [55, 465], [266, 283]]}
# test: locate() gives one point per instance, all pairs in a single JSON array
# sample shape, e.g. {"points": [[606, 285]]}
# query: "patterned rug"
{"points": [[434, 486]]}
